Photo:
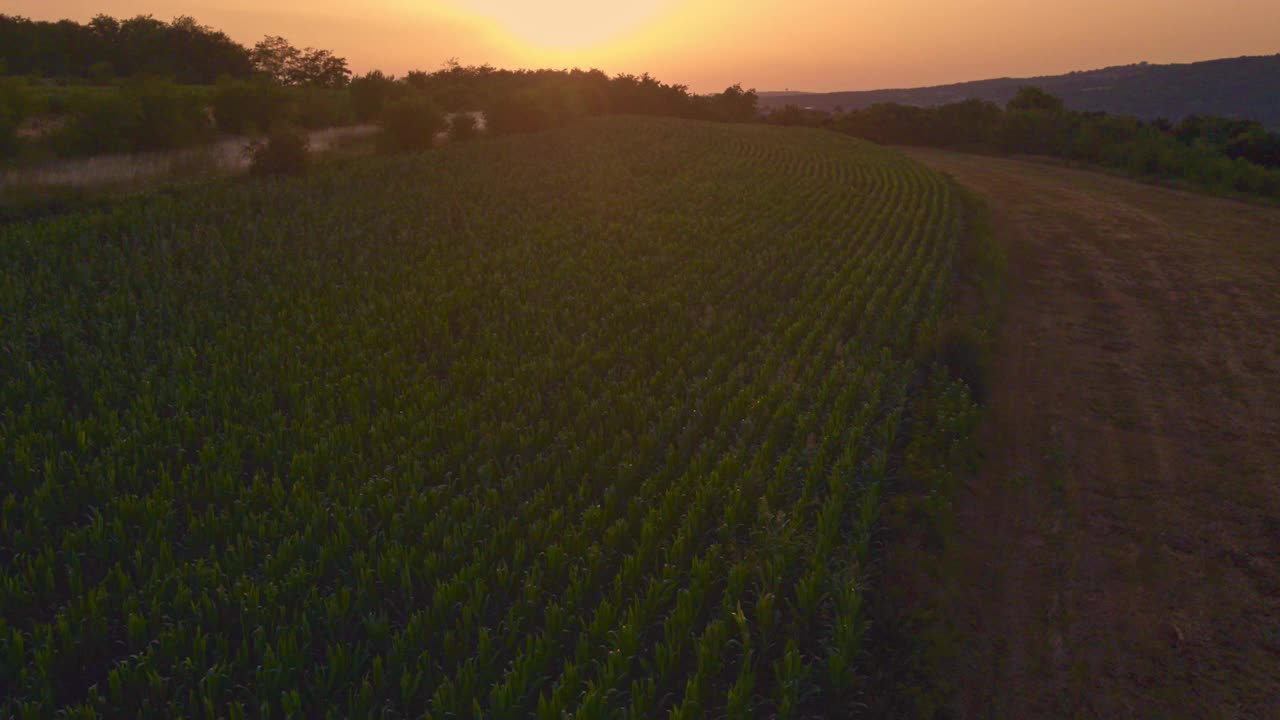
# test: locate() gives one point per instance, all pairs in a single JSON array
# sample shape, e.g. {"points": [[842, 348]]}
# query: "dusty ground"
{"points": [[1120, 554]]}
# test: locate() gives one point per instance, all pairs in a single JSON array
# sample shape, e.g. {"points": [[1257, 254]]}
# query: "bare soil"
{"points": [[1119, 554]]}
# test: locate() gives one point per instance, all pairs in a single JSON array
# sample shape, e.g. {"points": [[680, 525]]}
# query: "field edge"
{"points": [[913, 636]]}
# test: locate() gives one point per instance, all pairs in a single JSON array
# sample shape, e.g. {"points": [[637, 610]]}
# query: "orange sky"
{"points": [[766, 44]]}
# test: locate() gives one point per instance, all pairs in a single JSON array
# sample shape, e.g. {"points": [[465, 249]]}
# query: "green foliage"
{"points": [[732, 105], [143, 115], [411, 123], [101, 73], [371, 92], [170, 117], [794, 116], [17, 102], [1222, 154], [8, 132], [318, 107], [1034, 99], [523, 112], [284, 151], [274, 58], [106, 47], [1034, 131], [243, 107], [588, 424], [106, 123], [552, 103], [463, 126]]}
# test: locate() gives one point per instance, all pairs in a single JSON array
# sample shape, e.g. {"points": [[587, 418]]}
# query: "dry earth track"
{"points": [[1120, 552]]}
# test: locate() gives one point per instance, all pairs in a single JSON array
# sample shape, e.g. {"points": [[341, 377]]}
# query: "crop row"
{"points": [[589, 423]]}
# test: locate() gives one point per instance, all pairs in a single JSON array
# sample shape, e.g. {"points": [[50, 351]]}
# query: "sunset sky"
{"points": [[766, 44]]}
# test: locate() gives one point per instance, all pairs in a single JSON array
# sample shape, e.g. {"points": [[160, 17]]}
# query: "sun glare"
{"points": [[565, 24]]}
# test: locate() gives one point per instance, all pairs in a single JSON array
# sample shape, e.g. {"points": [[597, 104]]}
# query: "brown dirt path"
{"points": [[1119, 555]]}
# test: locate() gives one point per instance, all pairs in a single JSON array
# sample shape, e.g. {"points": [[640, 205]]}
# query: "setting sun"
{"points": [[564, 24]]}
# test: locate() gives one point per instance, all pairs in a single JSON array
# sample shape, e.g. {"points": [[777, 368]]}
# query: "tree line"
{"points": [[107, 47], [181, 83], [1226, 154], [163, 86]]}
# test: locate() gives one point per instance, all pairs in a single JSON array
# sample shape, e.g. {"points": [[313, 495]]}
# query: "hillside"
{"points": [[1245, 87], [591, 422]]}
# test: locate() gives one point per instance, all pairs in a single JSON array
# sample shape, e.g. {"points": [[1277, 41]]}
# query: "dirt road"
{"points": [[1120, 553]]}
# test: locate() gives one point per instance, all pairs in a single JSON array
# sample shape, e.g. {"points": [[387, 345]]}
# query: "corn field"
{"points": [[590, 423]]}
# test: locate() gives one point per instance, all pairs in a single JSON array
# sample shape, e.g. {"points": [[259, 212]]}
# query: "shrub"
{"points": [[106, 123], [146, 115], [959, 348], [284, 151], [101, 73], [170, 116], [17, 103], [411, 123], [371, 93], [522, 112], [463, 126], [317, 108], [8, 133], [244, 107], [1144, 159]]}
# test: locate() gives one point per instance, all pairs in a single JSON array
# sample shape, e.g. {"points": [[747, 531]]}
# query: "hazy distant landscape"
{"points": [[1245, 87]]}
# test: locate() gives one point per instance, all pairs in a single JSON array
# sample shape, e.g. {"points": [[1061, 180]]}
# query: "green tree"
{"points": [[371, 92], [319, 68], [411, 123], [275, 58], [1036, 99], [248, 106]]}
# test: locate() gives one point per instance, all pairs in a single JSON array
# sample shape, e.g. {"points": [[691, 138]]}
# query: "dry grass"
{"points": [[226, 157], [1116, 555]]}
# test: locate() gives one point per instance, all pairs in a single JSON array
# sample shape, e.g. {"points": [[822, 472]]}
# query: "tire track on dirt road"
{"points": [[1121, 548]]}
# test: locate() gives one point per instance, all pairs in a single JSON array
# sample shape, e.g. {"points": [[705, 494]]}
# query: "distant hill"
{"points": [[1244, 87]]}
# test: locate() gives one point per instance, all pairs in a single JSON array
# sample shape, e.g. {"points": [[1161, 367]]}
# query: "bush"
{"points": [[411, 123], [99, 124], [8, 133], [170, 116], [959, 348], [17, 103], [244, 107], [146, 115], [318, 108], [101, 73], [463, 126], [284, 151], [522, 112], [371, 93]]}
